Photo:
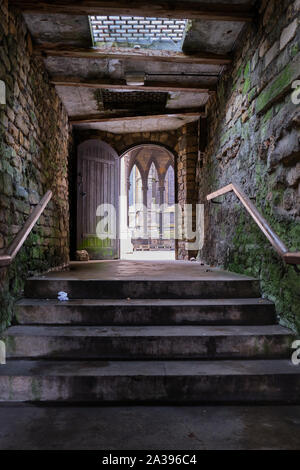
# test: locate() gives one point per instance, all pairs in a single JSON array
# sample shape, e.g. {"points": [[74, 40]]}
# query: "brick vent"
{"points": [[133, 99]]}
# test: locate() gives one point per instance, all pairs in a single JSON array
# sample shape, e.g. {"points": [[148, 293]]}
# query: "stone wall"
{"points": [[187, 150], [181, 142], [254, 142], [34, 139], [123, 142]]}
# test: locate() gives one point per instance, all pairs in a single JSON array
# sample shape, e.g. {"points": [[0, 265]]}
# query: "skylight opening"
{"points": [[137, 30]]}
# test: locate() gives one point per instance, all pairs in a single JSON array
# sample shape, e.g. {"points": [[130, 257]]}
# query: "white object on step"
{"points": [[62, 296]]}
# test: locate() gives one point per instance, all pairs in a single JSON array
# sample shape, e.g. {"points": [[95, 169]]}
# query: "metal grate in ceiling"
{"points": [[136, 29], [133, 99]]}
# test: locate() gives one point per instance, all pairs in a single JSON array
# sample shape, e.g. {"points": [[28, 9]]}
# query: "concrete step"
{"points": [[251, 381], [47, 288], [148, 342], [146, 312]]}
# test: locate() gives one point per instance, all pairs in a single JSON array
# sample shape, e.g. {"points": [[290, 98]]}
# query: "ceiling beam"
{"points": [[58, 50], [121, 85], [129, 116], [157, 8]]}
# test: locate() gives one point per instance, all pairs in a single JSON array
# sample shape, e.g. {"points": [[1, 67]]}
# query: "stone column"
{"points": [[128, 190], [145, 211], [161, 202]]}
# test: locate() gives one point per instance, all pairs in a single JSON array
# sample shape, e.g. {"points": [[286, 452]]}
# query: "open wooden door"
{"points": [[97, 185]]}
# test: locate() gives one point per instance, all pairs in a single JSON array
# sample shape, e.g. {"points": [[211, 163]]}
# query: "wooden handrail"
{"points": [[10, 253], [277, 243]]}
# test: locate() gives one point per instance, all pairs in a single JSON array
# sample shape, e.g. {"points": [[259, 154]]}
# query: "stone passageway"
{"points": [[134, 118]]}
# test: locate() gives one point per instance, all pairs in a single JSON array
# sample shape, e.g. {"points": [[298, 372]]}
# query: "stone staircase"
{"points": [[148, 341]]}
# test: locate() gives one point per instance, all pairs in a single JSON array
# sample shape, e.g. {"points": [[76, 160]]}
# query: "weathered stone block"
{"points": [[272, 53], [280, 86], [13, 131], [263, 48], [34, 197], [21, 124], [6, 184], [288, 199], [287, 149], [82, 255], [245, 117], [21, 192], [293, 176], [288, 34]]}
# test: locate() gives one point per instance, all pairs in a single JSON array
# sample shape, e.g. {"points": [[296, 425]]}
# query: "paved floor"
{"points": [[150, 256], [143, 270], [149, 427]]}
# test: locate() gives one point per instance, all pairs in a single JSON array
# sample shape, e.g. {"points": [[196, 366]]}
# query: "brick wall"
{"points": [[254, 141], [34, 139]]}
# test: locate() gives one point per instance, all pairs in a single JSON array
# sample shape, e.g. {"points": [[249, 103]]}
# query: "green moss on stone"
{"points": [[239, 72], [247, 69], [294, 50], [276, 89], [251, 94], [225, 137], [267, 116], [247, 86]]}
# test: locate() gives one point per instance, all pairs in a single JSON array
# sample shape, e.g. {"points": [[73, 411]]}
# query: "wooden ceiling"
{"points": [[61, 36], [211, 11]]}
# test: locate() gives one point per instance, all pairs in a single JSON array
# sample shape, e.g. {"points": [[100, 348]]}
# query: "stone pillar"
{"points": [[161, 202], [186, 178], [128, 190], [145, 211]]}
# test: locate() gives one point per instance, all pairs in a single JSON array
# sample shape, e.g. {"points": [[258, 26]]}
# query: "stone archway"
{"points": [[182, 143], [157, 230]]}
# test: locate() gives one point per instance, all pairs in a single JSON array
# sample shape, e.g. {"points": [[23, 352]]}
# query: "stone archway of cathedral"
{"points": [[147, 204]]}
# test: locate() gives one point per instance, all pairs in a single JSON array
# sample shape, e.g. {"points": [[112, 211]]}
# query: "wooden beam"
{"points": [[154, 8], [121, 85], [129, 116], [58, 50]]}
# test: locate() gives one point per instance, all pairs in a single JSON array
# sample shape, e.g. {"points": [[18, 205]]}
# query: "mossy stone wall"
{"points": [[254, 127], [34, 141]]}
